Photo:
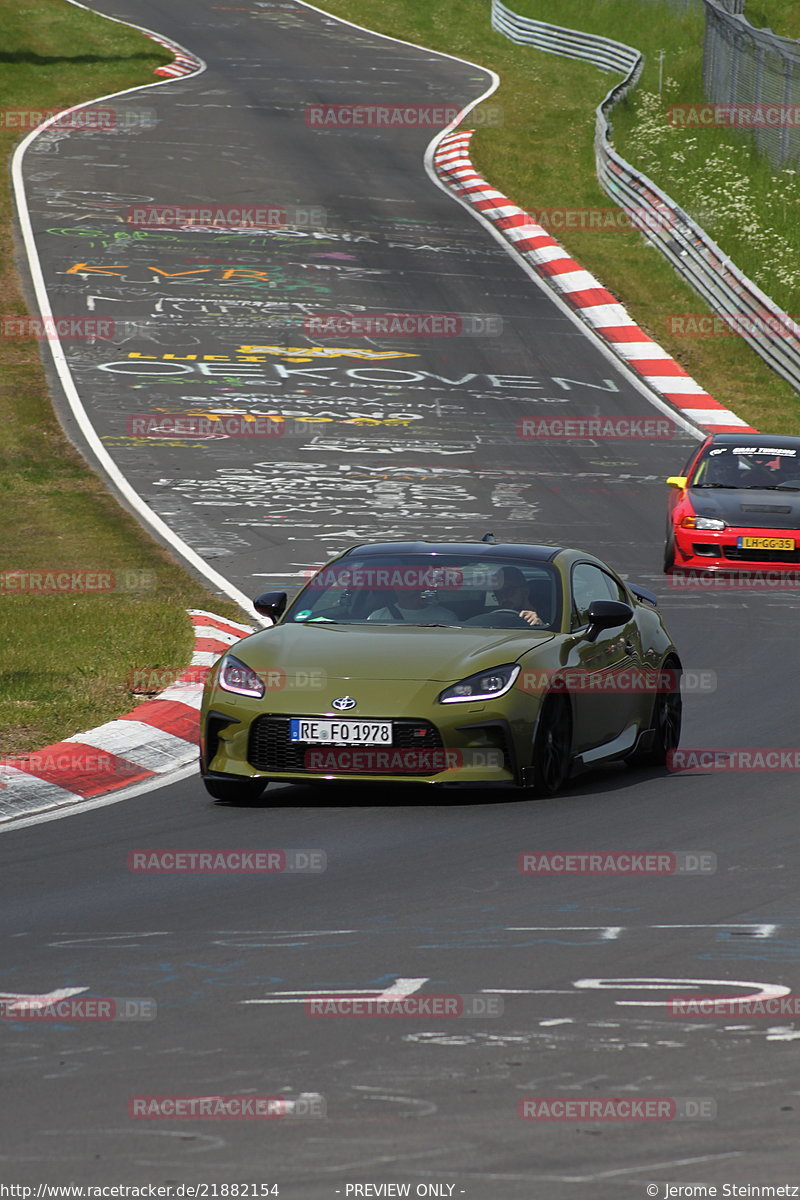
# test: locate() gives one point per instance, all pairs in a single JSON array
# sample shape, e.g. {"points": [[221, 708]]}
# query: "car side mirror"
{"points": [[677, 481], [270, 604], [607, 614]]}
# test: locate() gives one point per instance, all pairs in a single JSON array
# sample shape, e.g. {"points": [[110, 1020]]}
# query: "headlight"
{"points": [[483, 686], [236, 676], [702, 523]]}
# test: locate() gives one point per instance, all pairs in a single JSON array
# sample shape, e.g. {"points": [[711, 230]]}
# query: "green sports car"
{"points": [[444, 663]]}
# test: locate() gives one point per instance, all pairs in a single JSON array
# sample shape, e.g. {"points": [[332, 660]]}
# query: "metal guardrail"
{"points": [[695, 256]]}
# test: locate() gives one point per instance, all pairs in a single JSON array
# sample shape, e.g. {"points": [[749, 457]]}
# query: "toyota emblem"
{"points": [[343, 703]]}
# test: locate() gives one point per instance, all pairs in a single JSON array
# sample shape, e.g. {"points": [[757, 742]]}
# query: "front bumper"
{"points": [[471, 743], [718, 551]]}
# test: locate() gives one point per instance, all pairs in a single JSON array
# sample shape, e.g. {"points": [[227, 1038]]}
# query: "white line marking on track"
{"points": [[761, 931], [39, 1000], [146, 514], [763, 991], [607, 932], [398, 989]]}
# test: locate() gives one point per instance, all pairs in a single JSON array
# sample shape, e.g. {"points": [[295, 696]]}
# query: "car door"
{"points": [[599, 675]]}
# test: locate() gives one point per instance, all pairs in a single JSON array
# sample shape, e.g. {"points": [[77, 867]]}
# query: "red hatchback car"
{"points": [[736, 507]]}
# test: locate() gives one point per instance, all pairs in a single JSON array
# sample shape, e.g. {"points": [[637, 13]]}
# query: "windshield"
{"points": [[749, 467], [432, 590]]}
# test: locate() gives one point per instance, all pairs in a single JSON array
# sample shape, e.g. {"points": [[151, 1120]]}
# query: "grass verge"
{"points": [[542, 156], [716, 174], [65, 658]]}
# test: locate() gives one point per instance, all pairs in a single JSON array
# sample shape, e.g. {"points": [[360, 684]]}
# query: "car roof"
{"points": [[485, 549], [745, 438]]}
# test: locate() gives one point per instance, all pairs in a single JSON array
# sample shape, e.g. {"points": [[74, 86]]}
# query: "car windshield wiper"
{"points": [[733, 486], [772, 487]]}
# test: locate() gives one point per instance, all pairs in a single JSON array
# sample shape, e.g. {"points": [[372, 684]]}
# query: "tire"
{"points": [[665, 723], [235, 791], [669, 554], [552, 746]]}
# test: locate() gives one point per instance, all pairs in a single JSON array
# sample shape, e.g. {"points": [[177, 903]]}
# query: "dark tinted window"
{"points": [[747, 465], [590, 583]]}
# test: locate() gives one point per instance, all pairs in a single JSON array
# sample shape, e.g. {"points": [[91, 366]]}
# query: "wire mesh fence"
{"points": [[695, 256], [755, 75]]}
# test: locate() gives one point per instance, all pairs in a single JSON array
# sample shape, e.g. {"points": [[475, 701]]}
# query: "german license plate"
{"points": [[341, 733], [765, 543]]}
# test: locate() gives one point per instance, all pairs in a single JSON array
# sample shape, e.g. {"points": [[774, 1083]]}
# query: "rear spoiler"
{"points": [[641, 593]]}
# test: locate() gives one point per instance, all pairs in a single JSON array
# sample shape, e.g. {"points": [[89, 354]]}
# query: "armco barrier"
{"points": [[695, 256], [584, 294]]}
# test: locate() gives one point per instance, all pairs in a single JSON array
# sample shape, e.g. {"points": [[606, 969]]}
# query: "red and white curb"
{"points": [[596, 306], [155, 737], [184, 63]]}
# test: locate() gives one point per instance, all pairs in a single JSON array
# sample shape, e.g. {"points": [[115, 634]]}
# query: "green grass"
{"points": [[542, 156], [717, 175], [781, 16], [65, 659]]}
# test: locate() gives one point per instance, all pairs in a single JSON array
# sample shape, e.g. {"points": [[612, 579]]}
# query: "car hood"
{"points": [[756, 508], [386, 651]]}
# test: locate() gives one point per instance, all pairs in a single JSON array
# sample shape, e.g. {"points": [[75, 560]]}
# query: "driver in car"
{"points": [[417, 607], [512, 595]]}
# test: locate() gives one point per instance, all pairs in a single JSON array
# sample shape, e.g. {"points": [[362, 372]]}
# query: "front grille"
{"points": [[737, 554], [269, 748]]}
